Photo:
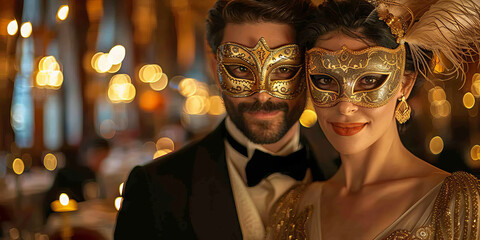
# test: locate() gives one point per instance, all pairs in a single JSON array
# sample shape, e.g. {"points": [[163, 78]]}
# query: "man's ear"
{"points": [[408, 83]]}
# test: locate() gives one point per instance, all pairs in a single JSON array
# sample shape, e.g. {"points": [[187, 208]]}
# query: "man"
{"points": [[223, 186]]}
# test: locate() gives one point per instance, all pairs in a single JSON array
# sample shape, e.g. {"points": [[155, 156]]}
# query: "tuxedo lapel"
{"points": [[213, 211]]}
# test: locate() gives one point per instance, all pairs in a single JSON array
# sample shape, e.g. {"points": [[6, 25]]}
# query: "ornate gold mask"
{"points": [[243, 71], [368, 78]]}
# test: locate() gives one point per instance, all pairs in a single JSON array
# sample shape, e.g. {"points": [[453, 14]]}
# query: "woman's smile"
{"points": [[347, 129]]}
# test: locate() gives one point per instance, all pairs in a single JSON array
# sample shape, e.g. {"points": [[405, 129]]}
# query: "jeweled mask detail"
{"points": [[367, 78], [244, 71]]}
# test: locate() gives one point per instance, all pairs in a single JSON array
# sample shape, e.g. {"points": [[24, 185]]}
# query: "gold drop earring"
{"points": [[403, 111]]}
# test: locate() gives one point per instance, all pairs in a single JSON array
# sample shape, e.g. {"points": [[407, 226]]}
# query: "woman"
{"points": [[360, 72]]}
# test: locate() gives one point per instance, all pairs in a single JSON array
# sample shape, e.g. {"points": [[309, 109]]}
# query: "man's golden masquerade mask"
{"points": [[368, 78], [244, 71]]}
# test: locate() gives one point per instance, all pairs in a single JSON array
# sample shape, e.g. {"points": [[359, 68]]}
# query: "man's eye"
{"points": [[239, 71], [370, 82], [324, 82], [283, 73]]}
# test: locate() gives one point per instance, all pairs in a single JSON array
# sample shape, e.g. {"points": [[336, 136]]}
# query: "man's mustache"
{"points": [[267, 106]]}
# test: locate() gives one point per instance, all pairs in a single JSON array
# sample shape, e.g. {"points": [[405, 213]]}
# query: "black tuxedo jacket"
{"points": [[185, 195]]}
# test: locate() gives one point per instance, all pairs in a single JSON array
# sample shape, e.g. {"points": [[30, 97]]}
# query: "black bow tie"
{"points": [[262, 164]]}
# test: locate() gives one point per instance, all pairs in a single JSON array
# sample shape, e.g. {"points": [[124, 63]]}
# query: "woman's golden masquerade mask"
{"points": [[367, 78], [244, 71]]}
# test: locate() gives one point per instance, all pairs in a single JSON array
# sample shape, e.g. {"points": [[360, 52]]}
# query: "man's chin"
{"points": [[265, 131]]}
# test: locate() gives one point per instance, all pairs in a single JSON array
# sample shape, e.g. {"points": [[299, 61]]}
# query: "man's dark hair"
{"points": [[290, 12]]}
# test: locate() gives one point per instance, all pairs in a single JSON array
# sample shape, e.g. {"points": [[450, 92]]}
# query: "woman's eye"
{"points": [[283, 73], [324, 82], [370, 82], [239, 71]]}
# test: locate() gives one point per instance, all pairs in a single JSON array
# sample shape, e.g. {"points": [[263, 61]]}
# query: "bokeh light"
{"points": [[165, 143], [103, 64], [150, 101], [115, 68], [118, 203], [150, 73], [187, 87], [475, 88], [162, 152], [26, 29], [18, 166], [50, 162], [64, 199], [217, 107], [161, 83], [49, 74], [120, 188], [12, 27], [121, 89], [440, 109], [107, 129], [195, 105], [436, 145], [468, 100], [62, 13], [116, 54], [436, 94], [475, 153], [308, 118]]}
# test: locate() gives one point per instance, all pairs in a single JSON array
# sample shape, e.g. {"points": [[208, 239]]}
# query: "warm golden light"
{"points": [[50, 162], [436, 94], [62, 13], [120, 188], [102, 64], [121, 89], [162, 152], [150, 101], [94, 61], [308, 118], [468, 100], [55, 79], [64, 199], [118, 203], [195, 105], [150, 73], [42, 78], [116, 54], [48, 63], [475, 153], [436, 145], [161, 83], [26, 29], [12, 27], [165, 143], [115, 68], [217, 106], [187, 87], [18, 166], [440, 109], [475, 88]]}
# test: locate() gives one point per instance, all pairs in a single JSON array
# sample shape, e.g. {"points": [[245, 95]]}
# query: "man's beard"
{"points": [[262, 131]]}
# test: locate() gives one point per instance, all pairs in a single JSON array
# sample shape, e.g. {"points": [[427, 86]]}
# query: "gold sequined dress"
{"points": [[448, 211]]}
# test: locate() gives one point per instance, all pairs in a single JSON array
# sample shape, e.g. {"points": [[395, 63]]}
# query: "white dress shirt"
{"points": [[253, 203]]}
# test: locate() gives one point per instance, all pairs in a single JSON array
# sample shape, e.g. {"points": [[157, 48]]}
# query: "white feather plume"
{"points": [[448, 28]]}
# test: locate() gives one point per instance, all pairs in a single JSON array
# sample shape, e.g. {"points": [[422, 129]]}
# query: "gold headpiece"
{"points": [[448, 28]]}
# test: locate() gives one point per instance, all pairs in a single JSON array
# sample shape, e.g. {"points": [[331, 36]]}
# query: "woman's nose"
{"points": [[347, 108]]}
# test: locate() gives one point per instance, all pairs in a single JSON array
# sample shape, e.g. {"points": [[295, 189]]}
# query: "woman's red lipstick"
{"points": [[347, 129]]}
